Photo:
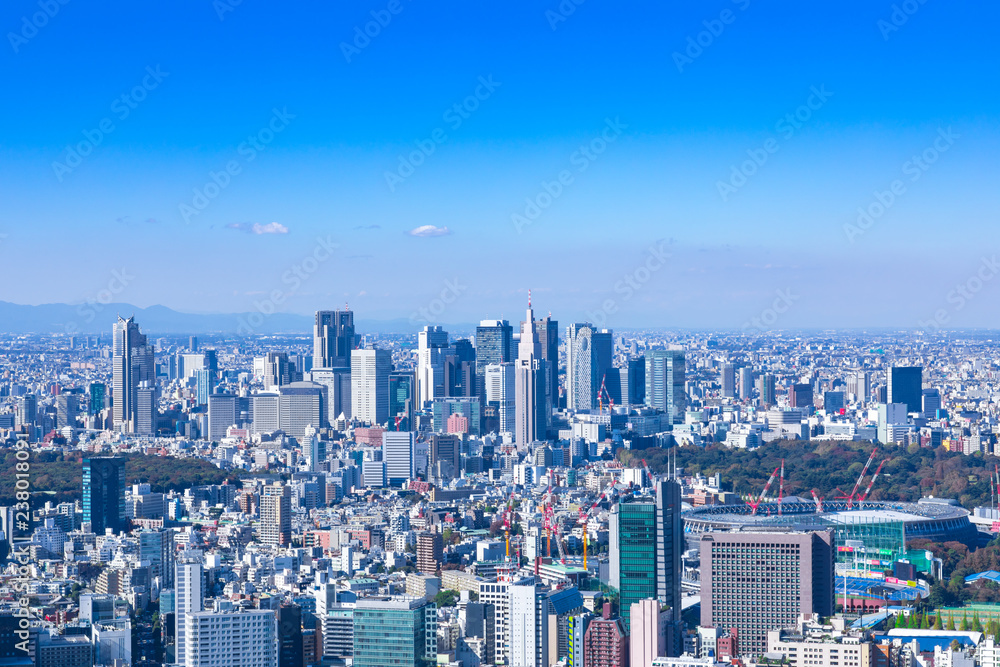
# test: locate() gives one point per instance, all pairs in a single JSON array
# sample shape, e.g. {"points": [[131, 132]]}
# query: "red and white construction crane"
{"points": [[819, 502], [601, 394], [754, 504], [649, 474], [584, 519], [781, 486], [864, 496], [854, 492]]}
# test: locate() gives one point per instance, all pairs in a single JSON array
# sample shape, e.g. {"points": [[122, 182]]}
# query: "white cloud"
{"points": [[429, 230], [269, 228], [257, 228]]}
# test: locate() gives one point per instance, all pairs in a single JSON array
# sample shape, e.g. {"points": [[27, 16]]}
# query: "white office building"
{"points": [[529, 622], [225, 637], [265, 413], [188, 599], [432, 351], [370, 385], [399, 454], [500, 390]]}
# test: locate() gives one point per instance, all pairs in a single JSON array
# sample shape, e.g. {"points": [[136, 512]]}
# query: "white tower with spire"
{"points": [[529, 379]]}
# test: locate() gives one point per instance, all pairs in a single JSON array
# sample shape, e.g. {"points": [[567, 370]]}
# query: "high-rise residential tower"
{"points": [[188, 600], [665, 383], [276, 515], [528, 625]]}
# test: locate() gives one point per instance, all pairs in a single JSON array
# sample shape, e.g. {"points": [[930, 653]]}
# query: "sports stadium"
{"points": [[884, 527]]}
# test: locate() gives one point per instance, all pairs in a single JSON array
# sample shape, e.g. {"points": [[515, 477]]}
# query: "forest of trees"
{"points": [[960, 562], [58, 477], [909, 474]]}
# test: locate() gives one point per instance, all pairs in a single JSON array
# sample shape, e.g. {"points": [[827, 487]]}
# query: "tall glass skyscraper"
{"points": [[589, 356], [132, 365], [432, 354], [97, 398], [494, 345], [104, 494], [548, 336], [647, 540], [665, 383], [402, 394], [206, 385], [333, 338], [906, 386]]}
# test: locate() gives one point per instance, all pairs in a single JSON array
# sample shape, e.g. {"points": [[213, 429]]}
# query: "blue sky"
{"points": [[670, 128]]}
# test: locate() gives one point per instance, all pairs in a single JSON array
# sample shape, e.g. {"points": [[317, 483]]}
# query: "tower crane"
{"points": [[754, 504], [584, 519], [864, 496], [819, 502], [854, 492], [601, 393], [781, 486]]}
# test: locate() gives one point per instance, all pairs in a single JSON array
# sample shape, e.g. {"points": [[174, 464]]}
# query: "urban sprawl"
{"points": [[520, 494]]}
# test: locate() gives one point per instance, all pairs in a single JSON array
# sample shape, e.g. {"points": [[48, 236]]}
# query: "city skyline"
{"points": [[550, 333]]}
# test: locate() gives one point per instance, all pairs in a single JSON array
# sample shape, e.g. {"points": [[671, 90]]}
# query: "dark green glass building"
{"points": [[647, 541], [395, 631], [104, 494]]}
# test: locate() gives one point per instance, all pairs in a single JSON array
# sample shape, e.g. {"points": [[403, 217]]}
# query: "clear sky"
{"points": [[644, 109]]}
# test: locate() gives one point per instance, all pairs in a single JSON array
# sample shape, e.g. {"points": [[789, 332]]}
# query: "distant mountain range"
{"points": [[159, 320]]}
